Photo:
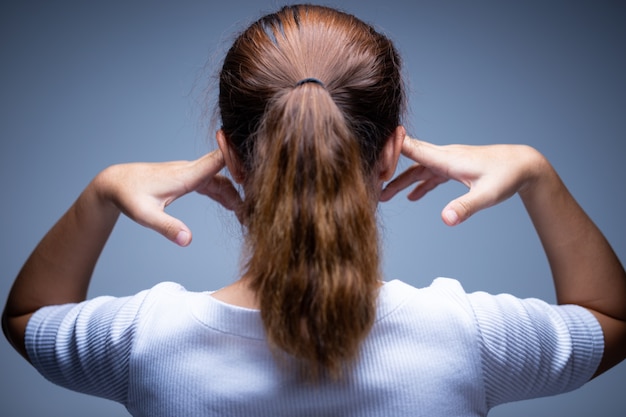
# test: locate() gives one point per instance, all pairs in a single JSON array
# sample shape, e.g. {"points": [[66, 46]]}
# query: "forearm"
{"points": [[59, 269], [585, 269]]}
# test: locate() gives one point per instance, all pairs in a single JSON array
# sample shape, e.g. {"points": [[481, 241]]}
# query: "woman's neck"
{"points": [[238, 293]]}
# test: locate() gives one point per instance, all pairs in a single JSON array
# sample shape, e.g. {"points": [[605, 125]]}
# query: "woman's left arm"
{"points": [[59, 269], [585, 269]]}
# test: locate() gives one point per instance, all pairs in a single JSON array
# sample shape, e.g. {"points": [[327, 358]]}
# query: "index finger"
{"points": [[210, 163], [205, 168], [416, 149]]}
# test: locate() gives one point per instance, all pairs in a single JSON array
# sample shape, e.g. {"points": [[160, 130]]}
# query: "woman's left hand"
{"points": [[492, 174]]}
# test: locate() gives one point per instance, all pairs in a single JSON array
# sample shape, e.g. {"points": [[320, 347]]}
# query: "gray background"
{"points": [[85, 85]]}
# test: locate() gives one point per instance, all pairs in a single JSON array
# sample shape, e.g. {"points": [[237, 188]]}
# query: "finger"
{"points": [[407, 178], [212, 161], [426, 186], [153, 217], [462, 208], [205, 167], [222, 190], [426, 154], [416, 174], [413, 148]]}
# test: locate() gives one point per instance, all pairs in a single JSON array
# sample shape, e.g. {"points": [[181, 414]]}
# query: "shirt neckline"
{"points": [[246, 322]]}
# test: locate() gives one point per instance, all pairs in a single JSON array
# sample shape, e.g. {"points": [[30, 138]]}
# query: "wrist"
{"points": [[101, 191], [539, 177]]}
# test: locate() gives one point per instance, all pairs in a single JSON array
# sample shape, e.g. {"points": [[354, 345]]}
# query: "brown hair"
{"points": [[309, 150]]}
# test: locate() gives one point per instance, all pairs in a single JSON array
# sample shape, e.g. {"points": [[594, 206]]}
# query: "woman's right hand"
{"points": [[492, 173], [58, 271], [142, 191]]}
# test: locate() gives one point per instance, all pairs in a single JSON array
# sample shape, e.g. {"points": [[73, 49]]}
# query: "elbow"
{"points": [[614, 331], [14, 330]]}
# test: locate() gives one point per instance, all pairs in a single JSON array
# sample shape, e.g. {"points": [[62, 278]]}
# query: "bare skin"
{"points": [[585, 269], [59, 269]]}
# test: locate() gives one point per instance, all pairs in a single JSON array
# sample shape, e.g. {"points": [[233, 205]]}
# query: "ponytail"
{"points": [[309, 151], [312, 236]]}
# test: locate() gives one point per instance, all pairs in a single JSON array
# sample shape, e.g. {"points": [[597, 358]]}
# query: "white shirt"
{"points": [[435, 351]]}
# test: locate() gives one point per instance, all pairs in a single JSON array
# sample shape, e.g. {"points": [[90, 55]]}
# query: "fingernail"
{"points": [[182, 238], [451, 216]]}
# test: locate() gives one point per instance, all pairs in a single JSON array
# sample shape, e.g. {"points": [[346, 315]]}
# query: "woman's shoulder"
{"points": [[443, 297], [440, 287]]}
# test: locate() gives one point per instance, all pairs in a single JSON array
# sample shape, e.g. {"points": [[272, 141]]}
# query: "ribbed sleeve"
{"points": [[85, 347], [434, 351], [532, 349]]}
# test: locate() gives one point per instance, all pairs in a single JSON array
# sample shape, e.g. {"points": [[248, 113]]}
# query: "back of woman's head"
{"points": [[309, 151]]}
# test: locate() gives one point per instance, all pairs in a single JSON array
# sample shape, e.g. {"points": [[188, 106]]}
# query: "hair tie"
{"points": [[310, 80]]}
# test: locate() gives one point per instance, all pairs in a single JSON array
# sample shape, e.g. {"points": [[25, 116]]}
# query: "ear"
{"points": [[391, 154], [230, 157]]}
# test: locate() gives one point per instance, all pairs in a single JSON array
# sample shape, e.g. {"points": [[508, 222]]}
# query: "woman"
{"points": [[311, 101]]}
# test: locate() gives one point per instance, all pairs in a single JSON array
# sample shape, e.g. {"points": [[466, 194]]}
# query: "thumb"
{"points": [[168, 226], [462, 208], [176, 231]]}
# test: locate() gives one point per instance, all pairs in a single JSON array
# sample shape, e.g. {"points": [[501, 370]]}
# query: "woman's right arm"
{"points": [[585, 269], [59, 269]]}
